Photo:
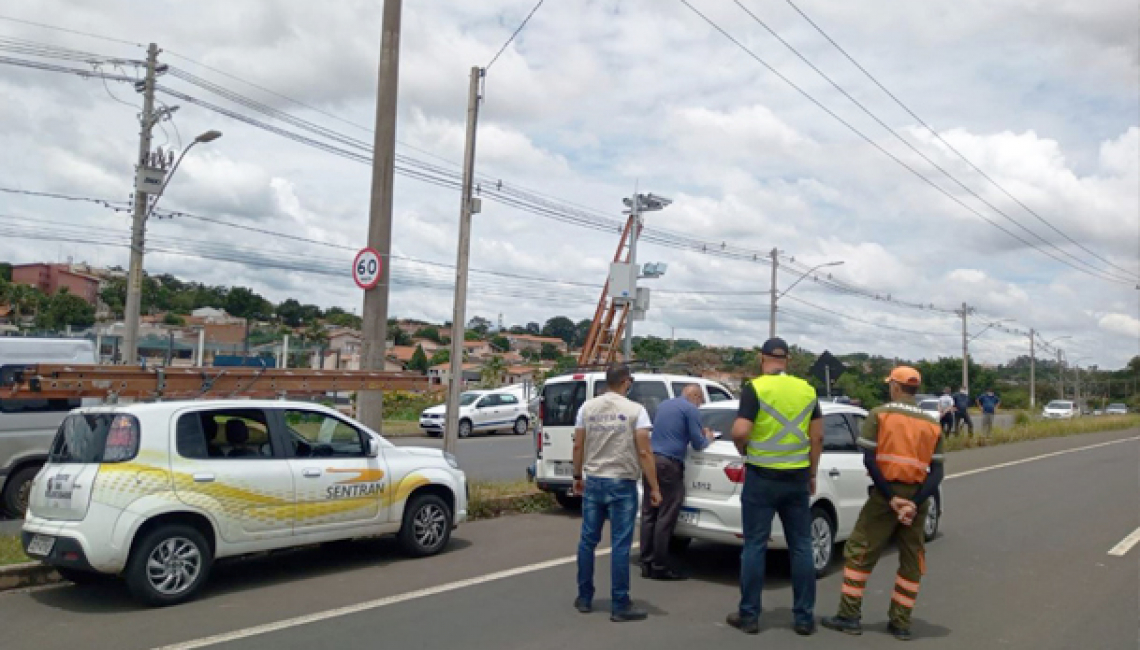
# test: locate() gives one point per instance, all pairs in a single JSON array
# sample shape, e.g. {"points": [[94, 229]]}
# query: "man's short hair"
{"points": [[908, 389], [617, 374]]}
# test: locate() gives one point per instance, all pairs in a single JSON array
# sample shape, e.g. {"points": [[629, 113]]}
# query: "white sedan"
{"points": [[714, 481], [1060, 409]]}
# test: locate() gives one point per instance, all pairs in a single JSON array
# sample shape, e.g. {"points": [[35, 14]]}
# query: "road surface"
{"points": [[1023, 562], [500, 457]]}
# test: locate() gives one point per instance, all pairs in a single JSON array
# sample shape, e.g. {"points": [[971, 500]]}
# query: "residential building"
{"points": [[428, 345], [52, 278], [441, 375], [400, 354], [520, 342], [521, 374], [477, 349], [346, 341]]}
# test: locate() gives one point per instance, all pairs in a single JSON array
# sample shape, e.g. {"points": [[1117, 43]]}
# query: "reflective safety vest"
{"points": [[779, 437], [907, 440]]}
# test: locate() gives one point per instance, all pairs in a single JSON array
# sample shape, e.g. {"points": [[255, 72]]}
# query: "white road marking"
{"points": [[1041, 457], [1126, 544], [373, 604], [531, 568]]}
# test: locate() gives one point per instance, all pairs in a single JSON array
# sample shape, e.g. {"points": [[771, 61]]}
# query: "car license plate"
{"points": [[41, 545], [564, 469], [690, 516]]}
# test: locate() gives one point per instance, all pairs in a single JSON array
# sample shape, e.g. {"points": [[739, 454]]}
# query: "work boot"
{"points": [[845, 625], [902, 634], [629, 615], [745, 625], [583, 606]]}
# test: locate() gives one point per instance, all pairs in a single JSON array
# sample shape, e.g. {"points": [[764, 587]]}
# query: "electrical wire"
{"points": [[70, 31], [512, 38]]}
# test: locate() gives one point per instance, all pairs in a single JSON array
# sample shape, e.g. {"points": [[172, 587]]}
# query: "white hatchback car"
{"points": [[481, 411], [1060, 409], [714, 480], [157, 492]]}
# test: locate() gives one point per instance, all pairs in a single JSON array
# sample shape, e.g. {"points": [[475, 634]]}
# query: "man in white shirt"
{"points": [[611, 450]]}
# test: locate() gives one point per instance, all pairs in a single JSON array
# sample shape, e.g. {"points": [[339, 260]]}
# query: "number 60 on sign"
{"points": [[366, 268]]}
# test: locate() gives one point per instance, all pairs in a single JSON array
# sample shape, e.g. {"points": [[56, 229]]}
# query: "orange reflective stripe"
{"points": [[905, 601], [906, 584], [857, 576], [854, 592], [893, 458]]}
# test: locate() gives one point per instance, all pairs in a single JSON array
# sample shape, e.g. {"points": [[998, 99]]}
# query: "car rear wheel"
{"points": [[822, 541], [521, 426], [18, 491], [933, 518], [169, 565], [465, 428], [427, 525], [568, 501], [679, 545]]}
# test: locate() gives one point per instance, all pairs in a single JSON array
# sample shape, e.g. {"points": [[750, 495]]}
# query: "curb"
{"points": [[29, 574]]}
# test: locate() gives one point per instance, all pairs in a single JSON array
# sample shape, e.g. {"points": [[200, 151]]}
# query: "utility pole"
{"points": [[370, 404], [138, 224], [1060, 376], [965, 348], [634, 232], [1032, 371], [772, 298], [467, 206]]}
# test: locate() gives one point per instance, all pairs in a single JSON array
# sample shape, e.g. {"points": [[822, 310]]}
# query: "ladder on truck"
{"points": [[68, 381], [608, 327]]}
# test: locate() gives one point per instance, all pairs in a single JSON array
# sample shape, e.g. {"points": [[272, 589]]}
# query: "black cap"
{"points": [[775, 347]]}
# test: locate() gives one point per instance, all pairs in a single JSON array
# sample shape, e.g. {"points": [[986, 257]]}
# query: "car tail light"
{"points": [[579, 377], [734, 472]]}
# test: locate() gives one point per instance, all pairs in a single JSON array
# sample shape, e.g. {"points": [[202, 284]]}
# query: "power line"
{"points": [[947, 144], [512, 38], [70, 31], [876, 145]]}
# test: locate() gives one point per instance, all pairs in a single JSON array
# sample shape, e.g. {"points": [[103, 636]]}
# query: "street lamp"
{"points": [[134, 277], [776, 296]]}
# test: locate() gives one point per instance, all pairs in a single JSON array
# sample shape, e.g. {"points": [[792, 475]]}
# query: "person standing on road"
{"points": [[946, 411], [779, 431], [676, 426], [989, 403], [962, 411], [611, 450], [903, 452]]}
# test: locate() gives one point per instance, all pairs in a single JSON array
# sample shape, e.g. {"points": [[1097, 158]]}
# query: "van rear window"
{"points": [[96, 438], [561, 402]]}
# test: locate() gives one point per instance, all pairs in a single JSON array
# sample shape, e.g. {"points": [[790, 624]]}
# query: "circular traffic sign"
{"points": [[366, 268]]}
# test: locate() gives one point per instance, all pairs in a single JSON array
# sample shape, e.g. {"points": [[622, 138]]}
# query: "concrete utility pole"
{"points": [[965, 348], [467, 206], [138, 225], [373, 349], [1060, 376], [772, 297], [634, 233], [1032, 371]]}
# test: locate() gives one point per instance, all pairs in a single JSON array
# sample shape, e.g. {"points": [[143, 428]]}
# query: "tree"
{"points": [[430, 333], [560, 327], [114, 295], [64, 309], [703, 359], [681, 346], [472, 335], [581, 332], [245, 303], [400, 337], [493, 372], [516, 329], [173, 319], [290, 313], [442, 355], [479, 324], [341, 318], [550, 351], [5, 271], [651, 349], [419, 361], [501, 344]]}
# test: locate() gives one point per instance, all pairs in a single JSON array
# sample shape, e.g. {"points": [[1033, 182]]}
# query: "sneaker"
{"points": [[845, 625], [583, 606], [745, 625], [805, 629], [629, 615], [902, 634]]}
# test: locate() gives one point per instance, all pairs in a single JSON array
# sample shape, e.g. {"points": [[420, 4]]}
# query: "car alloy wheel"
{"points": [[930, 526], [822, 541], [465, 429], [521, 427], [429, 522], [173, 566]]}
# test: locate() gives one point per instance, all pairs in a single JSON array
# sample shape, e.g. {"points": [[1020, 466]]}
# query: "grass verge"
{"points": [[490, 499], [402, 428], [12, 551], [1038, 429]]}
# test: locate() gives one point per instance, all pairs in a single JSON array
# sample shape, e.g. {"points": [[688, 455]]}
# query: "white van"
{"points": [[562, 397], [28, 425]]}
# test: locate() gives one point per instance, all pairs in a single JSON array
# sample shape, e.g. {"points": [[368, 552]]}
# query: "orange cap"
{"points": [[905, 375]]}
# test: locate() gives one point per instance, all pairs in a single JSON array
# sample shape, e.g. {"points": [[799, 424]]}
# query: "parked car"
{"points": [[155, 493], [1060, 409], [1116, 409], [714, 481], [481, 411], [28, 425], [562, 396], [929, 406]]}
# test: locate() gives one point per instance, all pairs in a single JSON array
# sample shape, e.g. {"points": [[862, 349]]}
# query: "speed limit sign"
{"points": [[366, 269]]}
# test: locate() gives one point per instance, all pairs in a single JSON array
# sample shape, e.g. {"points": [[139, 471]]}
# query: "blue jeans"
{"points": [[763, 498], [615, 499]]}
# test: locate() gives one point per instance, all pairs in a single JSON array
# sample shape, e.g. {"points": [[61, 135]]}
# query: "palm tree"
{"points": [[493, 371]]}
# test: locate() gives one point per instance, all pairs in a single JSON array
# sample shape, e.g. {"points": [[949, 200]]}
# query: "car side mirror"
{"points": [[373, 447]]}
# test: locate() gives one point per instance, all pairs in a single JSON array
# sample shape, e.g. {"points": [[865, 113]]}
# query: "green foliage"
{"points": [[550, 351], [442, 355], [472, 335], [5, 271], [430, 333], [341, 318], [173, 319], [493, 372], [406, 405], [581, 332], [650, 349], [560, 327], [64, 309], [501, 344], [419, 361], [400, 337]]}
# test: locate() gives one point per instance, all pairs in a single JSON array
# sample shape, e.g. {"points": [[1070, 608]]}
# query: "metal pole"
{"points": [[285, 352], [370, 404], [635, 231], [1032, 371], [169, 347], [1060, 376], [138, 225], [827, 375], [965, 350], [772, 312], [459, 315], [201, 347]]}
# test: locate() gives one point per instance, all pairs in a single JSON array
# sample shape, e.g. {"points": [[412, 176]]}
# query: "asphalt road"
{"points": [[1023, 562], [498, 457]]}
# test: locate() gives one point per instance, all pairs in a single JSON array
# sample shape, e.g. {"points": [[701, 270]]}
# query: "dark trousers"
{"points": [[763, 499], [657, 524], [963, 416], [948, 423]]}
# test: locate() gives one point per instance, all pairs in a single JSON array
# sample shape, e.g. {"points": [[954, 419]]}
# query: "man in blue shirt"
{"points": [[962, 414], [676, 426], [988, 402]]}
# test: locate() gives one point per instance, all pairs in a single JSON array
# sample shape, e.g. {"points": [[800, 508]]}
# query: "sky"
{"points": [[1020, 136]]}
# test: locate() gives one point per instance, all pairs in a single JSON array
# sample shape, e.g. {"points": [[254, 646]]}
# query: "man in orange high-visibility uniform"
{"points": [[902, 448]]}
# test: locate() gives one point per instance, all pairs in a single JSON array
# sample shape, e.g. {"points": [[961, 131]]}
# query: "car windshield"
{"points": [[1116, 406], [1058, 404], [719, 420], [928, 405], [467, 399]]}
